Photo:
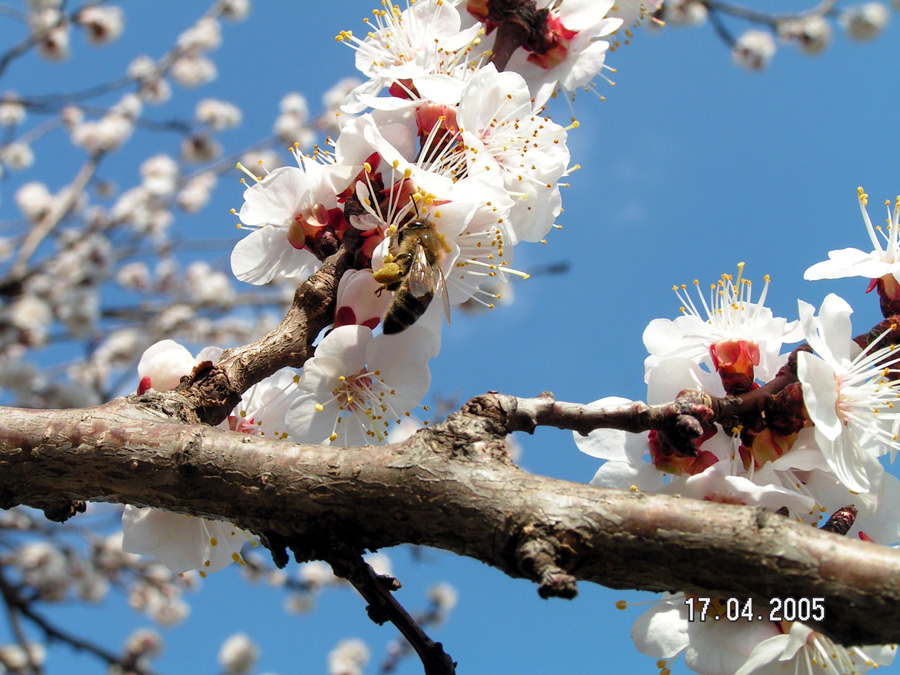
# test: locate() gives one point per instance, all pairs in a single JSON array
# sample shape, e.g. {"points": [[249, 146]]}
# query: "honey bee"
{"points": [[414, 275]]}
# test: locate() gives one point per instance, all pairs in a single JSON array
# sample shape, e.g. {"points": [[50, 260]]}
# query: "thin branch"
{"points": [[772, 20], [383, 607], [400, 649], [721, 29]]}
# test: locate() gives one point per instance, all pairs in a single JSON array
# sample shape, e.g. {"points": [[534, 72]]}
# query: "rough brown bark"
{"points": [[452, 487]]}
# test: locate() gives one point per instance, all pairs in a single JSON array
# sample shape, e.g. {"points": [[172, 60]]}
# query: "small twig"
{"points": [[714, 6], [403, 648], [720, 28], [822, 9], [383, 607]]}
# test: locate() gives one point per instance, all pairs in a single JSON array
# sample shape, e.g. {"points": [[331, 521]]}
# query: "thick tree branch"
{"points": [[452, 487]]}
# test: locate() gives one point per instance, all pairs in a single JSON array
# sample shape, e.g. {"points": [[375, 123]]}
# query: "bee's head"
{"points": [[415, 228]]}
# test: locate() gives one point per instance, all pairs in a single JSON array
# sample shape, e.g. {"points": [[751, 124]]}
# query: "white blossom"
{"points": [[803, 651], [105, 134], [419, 42], [164, 364], [812, 33], [316, 574], [234, 10], [33, 200], [144, 642], [685, 12], [866, 21], [71, 116], [17, 155], [380, 563], [282, 209], [200, 148], [218, 115], [45, 568], [193, 69], [160, 175], [196, 192], [207, 286], [50, 27], [754, 49], [17, 659], [358, 384], [730, 316], [154, 88], [102, 24], [33, 316], [444, 596], [205, 35], [881, 261], [238, 654], [578, 54], [848, 395], [349, 657], [505, 139], [12, 111]]}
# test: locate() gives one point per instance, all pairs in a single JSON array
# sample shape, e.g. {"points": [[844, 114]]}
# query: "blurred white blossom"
{"points": [[12, 111], [866, 21], [349, 657], [754, 49], [102, 24], [238, 654], [218, 115]]}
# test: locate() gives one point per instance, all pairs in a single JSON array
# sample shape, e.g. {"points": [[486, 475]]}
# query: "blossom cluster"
{"points": [[442, 165], [811, 447]]}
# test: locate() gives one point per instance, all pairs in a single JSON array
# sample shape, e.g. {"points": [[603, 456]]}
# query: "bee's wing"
{"points": [[422, 276], [445, 294]]}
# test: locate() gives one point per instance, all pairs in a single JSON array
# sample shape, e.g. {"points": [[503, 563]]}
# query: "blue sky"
{"points": [[690, 166]]}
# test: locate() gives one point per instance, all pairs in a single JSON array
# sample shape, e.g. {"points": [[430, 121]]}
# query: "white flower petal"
{"points": [[819, 394], [662, 631], [838, 332], [275, 199], [306, 423], [853, 466], [847, 262], [611, 444], [165, 363], [721, 647], [764, 653], [624, 475], [182, 543], [266, 253]]}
